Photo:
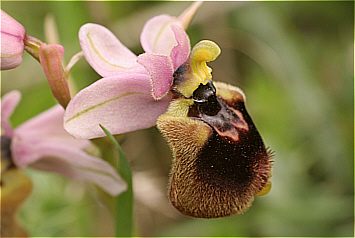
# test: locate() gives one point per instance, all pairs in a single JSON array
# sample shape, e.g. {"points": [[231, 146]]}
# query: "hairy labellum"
{"points": [[220, 160]]}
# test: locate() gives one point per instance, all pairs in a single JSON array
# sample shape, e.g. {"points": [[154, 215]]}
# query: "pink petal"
{"points": [[186, 17], [51, 57], [11, 51], [121, 103], [157, 36], [11, 26], [8, 104], [12, 42], [104, 52], [43, 143], [160, 69], [49, 125], [67, 160], [180, 53]]}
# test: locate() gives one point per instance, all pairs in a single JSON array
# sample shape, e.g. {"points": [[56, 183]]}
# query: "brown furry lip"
{"points": [[220, 176]]}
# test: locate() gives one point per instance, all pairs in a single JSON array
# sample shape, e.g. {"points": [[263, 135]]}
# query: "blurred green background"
{"points": [[295, 63]]}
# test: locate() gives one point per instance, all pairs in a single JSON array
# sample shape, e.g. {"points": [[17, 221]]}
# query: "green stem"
{"points": [[124, 202]]}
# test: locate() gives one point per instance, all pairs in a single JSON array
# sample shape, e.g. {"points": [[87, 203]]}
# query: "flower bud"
{"points": [[12, 42], [51, 57]]}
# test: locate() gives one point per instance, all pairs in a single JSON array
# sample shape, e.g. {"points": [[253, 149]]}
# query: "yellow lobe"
{"points": [[203, 55], [265, 190], [203, 52]]}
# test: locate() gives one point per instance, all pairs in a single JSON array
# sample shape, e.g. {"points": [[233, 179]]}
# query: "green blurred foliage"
{"points": [[293, 60]]}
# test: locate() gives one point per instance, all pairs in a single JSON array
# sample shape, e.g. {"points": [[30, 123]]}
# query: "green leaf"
{"points": [[124, 202]]}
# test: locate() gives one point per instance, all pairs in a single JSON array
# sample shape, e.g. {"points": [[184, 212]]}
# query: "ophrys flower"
{"points": [[42, 143]]}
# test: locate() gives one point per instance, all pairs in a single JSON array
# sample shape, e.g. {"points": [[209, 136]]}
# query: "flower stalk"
{"points": [[32, 46]]}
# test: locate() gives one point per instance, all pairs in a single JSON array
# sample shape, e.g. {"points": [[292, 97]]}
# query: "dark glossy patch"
{"points": [[204, 92]]}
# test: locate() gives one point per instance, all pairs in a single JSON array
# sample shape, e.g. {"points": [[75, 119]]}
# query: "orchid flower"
{"points": [[133, 92], [42, 143]]}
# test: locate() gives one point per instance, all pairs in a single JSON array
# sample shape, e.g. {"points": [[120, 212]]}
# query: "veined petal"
{"points": [[48, 125], [67, 160], [8, 104], [104, 52], [161, 70], [180, 53], [12, 42], [51, 57], [120, 103], [157, 36]]}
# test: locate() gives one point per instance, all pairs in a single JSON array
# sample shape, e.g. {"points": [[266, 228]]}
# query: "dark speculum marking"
{"points": [[213, 110]]}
